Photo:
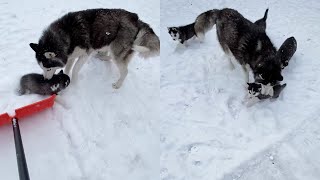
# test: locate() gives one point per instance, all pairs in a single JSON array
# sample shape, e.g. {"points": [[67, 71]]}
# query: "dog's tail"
{"points": [[205, 21], [262, 22], [147, 43]]}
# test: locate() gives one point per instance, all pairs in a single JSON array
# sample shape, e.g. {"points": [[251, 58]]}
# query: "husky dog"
{"points": [[249, 44], [203, 23], [36, 84], [77, 35], [287, 49], [262, 91]]}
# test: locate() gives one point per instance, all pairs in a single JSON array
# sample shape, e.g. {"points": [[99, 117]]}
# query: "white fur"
{"points": [[141, 49], [259, 46], [200, 37], [82, 55], [55, 87], [48, 72], [175, 37], [267, 89]]}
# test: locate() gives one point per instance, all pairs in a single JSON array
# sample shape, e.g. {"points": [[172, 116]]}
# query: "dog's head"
{"points": [[254, 89], [268, 70], [174, 33], [48, 60]]}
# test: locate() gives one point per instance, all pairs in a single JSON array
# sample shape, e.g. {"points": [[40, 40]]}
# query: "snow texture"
{"points": [[207, 132], [93, 132]]}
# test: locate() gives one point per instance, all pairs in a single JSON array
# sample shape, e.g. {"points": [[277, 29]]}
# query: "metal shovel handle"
{"points": [[21, 158]]}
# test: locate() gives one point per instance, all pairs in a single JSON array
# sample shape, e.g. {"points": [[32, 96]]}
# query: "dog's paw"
{"points": [[116, 85]]}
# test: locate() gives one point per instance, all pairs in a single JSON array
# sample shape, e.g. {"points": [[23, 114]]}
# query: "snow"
{"points": [[206, 130], [93, 131]]}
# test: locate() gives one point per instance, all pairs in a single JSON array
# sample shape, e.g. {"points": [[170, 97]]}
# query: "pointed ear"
{"points": [[61, 72], [34, 46], [168, 28], [280, 77]]}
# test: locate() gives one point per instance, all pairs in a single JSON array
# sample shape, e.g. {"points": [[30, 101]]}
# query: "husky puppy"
{"points": [[36, 84], [77, 35], [182, 33], [249, 44], [262, 91], [287, 49], [203, 23]]}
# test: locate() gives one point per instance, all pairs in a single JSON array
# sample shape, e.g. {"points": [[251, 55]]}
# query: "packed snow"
{"points": [[93, 132], [206, 129]]}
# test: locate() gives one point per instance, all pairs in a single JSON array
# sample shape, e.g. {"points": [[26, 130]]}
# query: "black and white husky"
{"points": [[77, 35], [249, 44], [203, 23], [36, 84]]}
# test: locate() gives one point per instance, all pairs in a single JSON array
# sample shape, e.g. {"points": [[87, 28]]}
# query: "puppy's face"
{"points": [[64, 79], [268, 70], [174, 33], [254, 89], [49, 61], [60, 81]]}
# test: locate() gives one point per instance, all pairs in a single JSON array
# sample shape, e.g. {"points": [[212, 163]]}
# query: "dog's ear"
{"points": [[279, 77], [61, 72], [34, 46], [168, 28]]}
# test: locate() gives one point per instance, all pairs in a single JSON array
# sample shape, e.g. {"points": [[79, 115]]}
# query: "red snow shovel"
{"points": [[21, 113]]}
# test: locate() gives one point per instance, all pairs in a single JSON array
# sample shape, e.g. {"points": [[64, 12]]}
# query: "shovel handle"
{"points": [[21, 159]]}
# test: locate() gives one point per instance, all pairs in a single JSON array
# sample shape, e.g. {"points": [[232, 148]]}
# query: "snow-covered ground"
{"points": [[101, 133], [207, 132]]}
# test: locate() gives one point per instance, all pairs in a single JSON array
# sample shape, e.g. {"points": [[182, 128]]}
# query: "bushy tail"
{"points": [[147, 43], [205, 21]]}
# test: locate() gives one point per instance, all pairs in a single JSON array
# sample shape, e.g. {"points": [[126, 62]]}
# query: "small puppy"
{"points": [[287, 49], [203, 23], [261, 91], [36, 84], [182, 33]]}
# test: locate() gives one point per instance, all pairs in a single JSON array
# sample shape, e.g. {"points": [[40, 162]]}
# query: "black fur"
{"points": [[249, 44], [286, 51], [85, 29]]}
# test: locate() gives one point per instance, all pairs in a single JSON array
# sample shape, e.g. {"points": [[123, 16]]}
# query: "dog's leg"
{"points": [[122, 65], [103, 55], [246, 72], [201, 37], [231, 65], [77, 67], [69, 65]]}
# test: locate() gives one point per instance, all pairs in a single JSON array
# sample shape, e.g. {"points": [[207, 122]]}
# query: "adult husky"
{"points": [[249, 44], [76, 35]]}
